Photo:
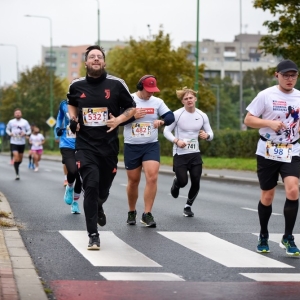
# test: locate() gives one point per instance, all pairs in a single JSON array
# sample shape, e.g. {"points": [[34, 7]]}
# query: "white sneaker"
{"points": [[36, 169]]}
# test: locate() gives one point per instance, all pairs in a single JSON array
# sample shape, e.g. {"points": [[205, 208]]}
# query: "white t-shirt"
{"points": [[18, 127], [186, 127], [141, 131], [272, 104], [35, 140]]}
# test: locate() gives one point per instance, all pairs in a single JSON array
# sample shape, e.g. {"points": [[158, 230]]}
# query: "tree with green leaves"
{"points": [[284, 31], [32, 95], [157, 57]]}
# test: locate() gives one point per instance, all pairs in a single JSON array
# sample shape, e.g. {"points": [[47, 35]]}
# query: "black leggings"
{"points": [[69, 160], [73, 174], [195, 175]]}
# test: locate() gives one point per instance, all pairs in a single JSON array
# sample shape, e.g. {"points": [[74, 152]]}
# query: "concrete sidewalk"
{"points": [[18, 277]]}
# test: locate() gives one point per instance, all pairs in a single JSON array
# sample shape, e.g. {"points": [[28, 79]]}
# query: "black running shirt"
{"points": [[95, 99]]}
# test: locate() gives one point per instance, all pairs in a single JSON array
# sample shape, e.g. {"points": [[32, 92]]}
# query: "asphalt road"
{"points": [[210, 256]]}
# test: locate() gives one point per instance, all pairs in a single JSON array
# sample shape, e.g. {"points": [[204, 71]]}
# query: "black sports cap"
{"points": [[286, 65]]}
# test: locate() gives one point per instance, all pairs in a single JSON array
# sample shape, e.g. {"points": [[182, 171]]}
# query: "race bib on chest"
{"points": [[191, 145], [279, 152], [95, 116], [140, 130]]}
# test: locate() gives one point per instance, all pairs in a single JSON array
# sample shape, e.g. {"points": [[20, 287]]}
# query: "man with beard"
{"points": [[17, 129], [99, 97]]}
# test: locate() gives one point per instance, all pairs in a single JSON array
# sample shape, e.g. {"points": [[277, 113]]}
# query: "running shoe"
{"points": [[148, 220], [75, 208], [187, 212], [289, 245], [175, 189], [94, 242], [36, 169], [29, 165], [263, 244], [131, 217], [66, 182], [17, 177], [101, 216], [69, 195], [11, 162]]}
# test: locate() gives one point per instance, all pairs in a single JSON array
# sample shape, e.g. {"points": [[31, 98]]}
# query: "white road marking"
{"points": [[273, 276], [113, 251], [251, 209], [140, 276], [221, 251]]}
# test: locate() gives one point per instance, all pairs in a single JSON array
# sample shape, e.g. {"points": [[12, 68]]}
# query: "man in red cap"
{"points": [[141, 146]]}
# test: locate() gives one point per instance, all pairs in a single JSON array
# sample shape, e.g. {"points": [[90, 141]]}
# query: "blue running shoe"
{"points": [[69, 195], [263, 245], [75, 208], [289, 245]]}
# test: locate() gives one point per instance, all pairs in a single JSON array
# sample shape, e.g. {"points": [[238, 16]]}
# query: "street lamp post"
{"points": [[98, 22], [17, 56], [149, 29], [241, 71], [51, 74], [196, 85], [218, 104]]}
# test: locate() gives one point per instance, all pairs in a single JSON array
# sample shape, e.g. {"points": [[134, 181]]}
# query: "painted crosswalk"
{"points": [[221, 251], [117, 253], [114, 252]]}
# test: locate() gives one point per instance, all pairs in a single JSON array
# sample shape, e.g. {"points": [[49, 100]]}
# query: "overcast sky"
{"points": [[74, 22]]}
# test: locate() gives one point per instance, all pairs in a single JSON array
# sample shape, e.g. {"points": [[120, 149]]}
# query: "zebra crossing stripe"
{"points": [[273, 277], [140, 276], [221, 251], [113, 251]]}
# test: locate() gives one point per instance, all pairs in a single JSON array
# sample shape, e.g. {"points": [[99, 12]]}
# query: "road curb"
{"points": [[16, 256]]}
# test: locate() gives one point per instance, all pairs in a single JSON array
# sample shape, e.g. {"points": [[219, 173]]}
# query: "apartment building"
{"points": [[220, 58], [229, 58], [66, 61]]}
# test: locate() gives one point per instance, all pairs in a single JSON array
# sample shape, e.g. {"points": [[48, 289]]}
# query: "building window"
{"points": [[229, 49], [74, 74], [62, 74], [253, 50], [62, 55], [217, 50], [204, 50], [74, 55], [62, 65], [74, 65], [243, 50]]}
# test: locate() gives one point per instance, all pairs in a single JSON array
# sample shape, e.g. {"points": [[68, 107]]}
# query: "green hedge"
{"points": [[225, 144]]}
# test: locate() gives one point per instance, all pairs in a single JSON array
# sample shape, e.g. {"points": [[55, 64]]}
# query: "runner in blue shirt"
{"points": [[67, 150]]}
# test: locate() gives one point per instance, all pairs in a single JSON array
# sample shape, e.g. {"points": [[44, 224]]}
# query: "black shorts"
{"points": [[187, 160], [134, 154], [17, 148], [268, 171], [67, 153]]}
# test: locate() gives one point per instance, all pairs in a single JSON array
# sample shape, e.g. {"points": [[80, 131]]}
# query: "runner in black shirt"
{"points": [[94, 103]]}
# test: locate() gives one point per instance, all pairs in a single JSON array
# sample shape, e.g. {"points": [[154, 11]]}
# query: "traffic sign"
{"points": [[51, 121]]}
